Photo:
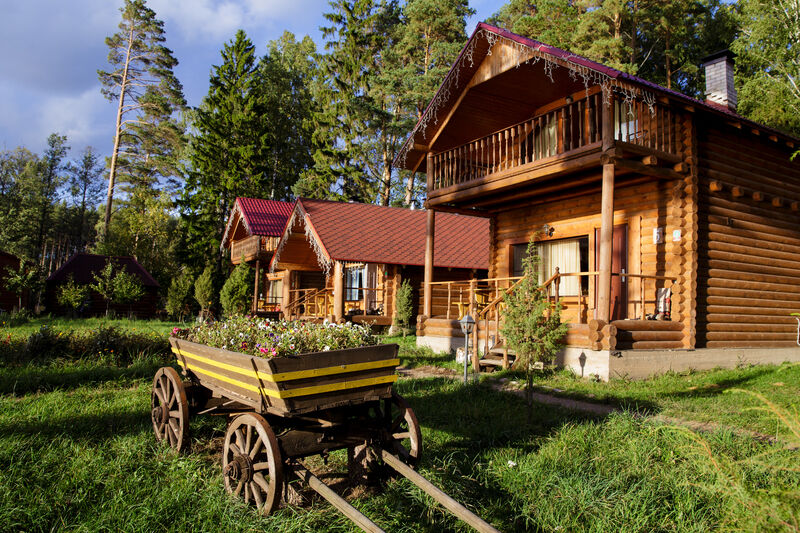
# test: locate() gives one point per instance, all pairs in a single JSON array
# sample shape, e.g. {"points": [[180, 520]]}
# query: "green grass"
{"points": [[82, 457], [412, 355], [699, 396], [82, 324]]}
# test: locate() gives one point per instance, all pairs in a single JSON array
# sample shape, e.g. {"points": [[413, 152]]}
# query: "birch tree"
{"points": [[142, 83]]}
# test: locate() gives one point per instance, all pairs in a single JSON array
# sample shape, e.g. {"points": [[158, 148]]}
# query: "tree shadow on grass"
{"points": [[27, 379], [92, 428]]}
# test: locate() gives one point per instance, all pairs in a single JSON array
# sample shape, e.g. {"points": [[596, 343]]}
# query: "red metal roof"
{"points": [[264, 217], [83, 266], [394, 235]]}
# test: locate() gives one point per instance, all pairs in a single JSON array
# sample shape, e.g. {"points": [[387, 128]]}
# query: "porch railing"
{"points": [[252, 247], [573, 126]]}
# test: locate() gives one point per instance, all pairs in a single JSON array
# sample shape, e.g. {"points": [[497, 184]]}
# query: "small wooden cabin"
{"points": [[82, 267], [340, 260], [252, 234], [645, 203]]}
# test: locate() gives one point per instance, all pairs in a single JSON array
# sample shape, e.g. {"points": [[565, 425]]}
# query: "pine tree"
{"points": [[768, 62], [552, 21], [228, 154], [355, 126], [147, 93], [51, 175], [237, 292], [429, 37], [86, 187], [531, 325]]}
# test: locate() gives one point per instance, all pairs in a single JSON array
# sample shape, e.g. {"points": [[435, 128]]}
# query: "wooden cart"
{"points": [[282, 410]]}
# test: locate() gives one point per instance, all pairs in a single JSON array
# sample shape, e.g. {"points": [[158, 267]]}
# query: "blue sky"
{"points": [[50, 51]]}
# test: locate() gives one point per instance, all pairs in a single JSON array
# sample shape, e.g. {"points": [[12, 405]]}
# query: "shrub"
{"points": [[403, 306], [104, 283], [531, 326], [204, 291], [127, 288], [26, 278], [72, 295], [236, 294], [179, 299]]}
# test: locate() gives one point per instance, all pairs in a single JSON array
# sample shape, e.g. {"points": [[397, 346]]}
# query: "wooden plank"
{"points": [[429, 259]]}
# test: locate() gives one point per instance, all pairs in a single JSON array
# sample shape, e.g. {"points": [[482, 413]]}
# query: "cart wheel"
{"points": [[251, 462], [406, 438], [169, 410]]}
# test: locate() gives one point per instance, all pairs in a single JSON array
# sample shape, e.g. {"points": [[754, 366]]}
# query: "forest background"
{"points": [[327, 121]]}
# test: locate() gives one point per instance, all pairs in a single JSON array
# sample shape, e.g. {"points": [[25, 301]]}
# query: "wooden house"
{"points": [[644, 203], [340, 260], [82, 267], [251, 235]]}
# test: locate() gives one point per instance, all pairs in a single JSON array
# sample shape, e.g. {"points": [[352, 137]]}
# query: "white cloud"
{"points": [[86, 119]]}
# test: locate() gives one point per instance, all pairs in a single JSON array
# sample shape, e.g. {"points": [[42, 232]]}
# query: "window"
{"points": [[626, 123], [274, 292], [542, 141], [353, 282], [569, 255]]}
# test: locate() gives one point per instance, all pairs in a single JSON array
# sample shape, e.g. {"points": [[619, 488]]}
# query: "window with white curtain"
{"points": [[569, 255]]}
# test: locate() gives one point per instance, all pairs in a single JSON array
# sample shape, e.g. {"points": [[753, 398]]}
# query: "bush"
{"points": [[237, 293], [104, 283], [403, 306], [72, 295], [127, 288], [179, 298], [204, 291]]}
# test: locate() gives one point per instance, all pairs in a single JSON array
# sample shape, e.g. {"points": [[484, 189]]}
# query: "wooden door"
{"points": [[619, 264]]}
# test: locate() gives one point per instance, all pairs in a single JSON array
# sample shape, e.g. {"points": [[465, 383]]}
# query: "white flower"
{"points": [[326, 349], [511, 464]]}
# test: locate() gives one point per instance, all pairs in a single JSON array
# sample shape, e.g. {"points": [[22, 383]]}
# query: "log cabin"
{"points": [[345, 261], [667, 226], [251, 235]]}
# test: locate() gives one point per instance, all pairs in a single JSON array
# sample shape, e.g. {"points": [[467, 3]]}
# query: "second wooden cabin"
{"points": [[340, 260]]}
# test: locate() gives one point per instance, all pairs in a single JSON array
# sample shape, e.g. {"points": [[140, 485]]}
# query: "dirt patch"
{"points": [[427, 371]]}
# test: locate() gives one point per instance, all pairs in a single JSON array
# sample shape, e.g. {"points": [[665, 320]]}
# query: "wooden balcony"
{"points": [[252, 248], [544, 145]]}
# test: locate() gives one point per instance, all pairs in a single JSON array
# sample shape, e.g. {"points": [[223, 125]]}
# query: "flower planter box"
{"points": [[291, 385]]}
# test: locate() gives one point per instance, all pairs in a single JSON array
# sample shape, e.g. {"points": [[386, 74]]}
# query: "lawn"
{"points": [[80, 324], [77, 453]]}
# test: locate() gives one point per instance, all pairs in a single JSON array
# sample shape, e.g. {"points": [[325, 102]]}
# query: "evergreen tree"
{"points": [[285, 76], [552, 21], [205, 292], [768, 62], [228, 154], [237, 292], [428, 39], [85, 187], [356, 130], [147, 93], [45, 186]]}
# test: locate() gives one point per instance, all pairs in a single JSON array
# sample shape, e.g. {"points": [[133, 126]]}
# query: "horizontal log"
{"points": [[705, 309], [749, 336], [756, 271], [746, 302], [735, 318], [776, 288], [747, 211], [751, 327], [753, 251], [752, 242], [647, 325], [750, 344], [754, 294], [656, 345], [637, 335]]}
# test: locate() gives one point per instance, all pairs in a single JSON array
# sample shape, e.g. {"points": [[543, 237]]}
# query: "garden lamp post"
{"points": [[467, 323]]}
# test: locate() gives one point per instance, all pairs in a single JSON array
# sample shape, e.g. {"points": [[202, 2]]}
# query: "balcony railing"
{"points": [[253, 247], [570, 127]]}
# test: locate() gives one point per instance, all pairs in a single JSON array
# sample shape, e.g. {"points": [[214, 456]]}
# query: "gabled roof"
{"points": [[82, 267], [266, 218], [481, 44], [391, 235]]}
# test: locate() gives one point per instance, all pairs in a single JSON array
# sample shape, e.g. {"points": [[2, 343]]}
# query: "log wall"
{"points": [[643, 205], [749, 230]]}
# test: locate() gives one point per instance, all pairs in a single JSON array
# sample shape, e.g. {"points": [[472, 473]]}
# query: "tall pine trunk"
{"points": [[112, 171]]}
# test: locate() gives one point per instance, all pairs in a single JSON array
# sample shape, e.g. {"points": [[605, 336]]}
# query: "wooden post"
{"points": [[606, 219], [286, 294], [449, 285], [427, 308], [255, 289], [338, 291], [429, 171]]}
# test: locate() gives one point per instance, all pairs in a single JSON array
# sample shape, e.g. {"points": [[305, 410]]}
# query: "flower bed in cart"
{"points": [[287, 367]]}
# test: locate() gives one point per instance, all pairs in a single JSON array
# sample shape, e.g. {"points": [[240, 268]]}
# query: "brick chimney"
{"points": [[719, 79]]}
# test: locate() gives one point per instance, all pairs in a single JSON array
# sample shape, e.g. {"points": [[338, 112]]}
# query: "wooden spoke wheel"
{"points": [[404, 438], [169, 410], [251, 462]]}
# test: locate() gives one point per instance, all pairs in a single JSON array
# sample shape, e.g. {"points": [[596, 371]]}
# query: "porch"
{"points": [[632, 327]]}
